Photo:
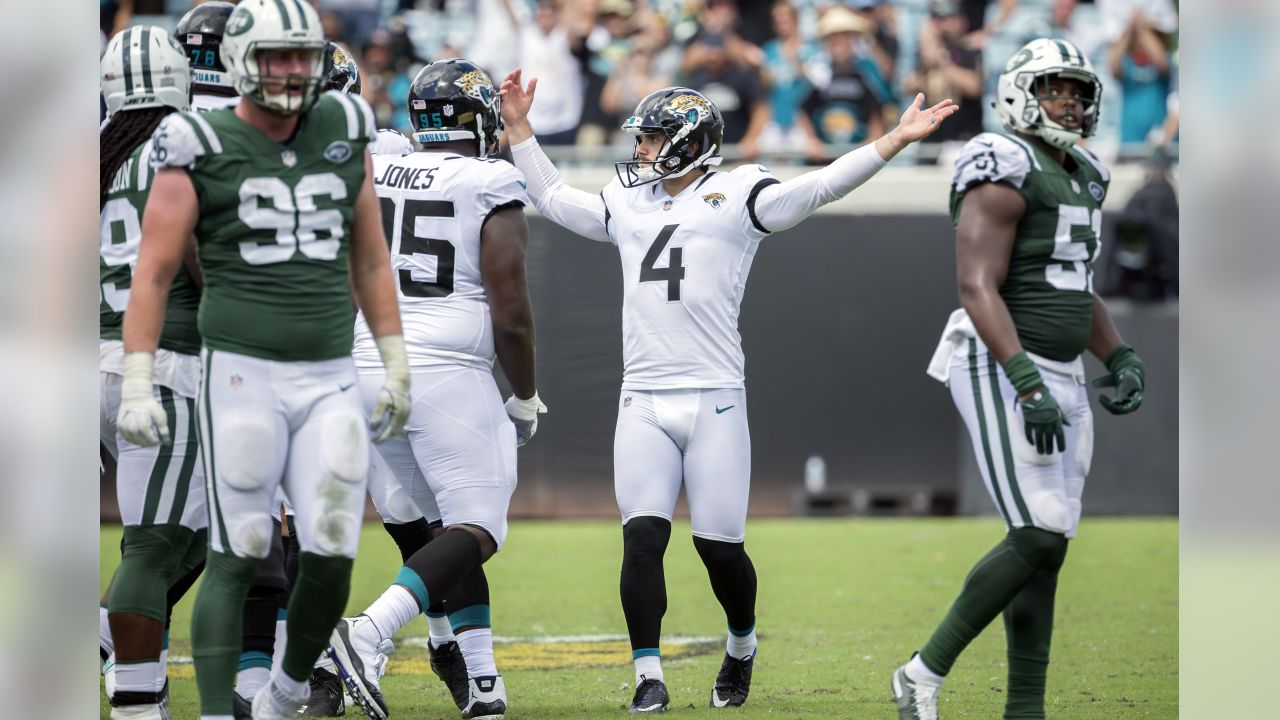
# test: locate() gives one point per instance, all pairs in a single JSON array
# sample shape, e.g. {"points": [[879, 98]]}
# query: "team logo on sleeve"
{"points": [[694, 107], [715, 200], [475, 85], [1096, 191], [337, 152]]}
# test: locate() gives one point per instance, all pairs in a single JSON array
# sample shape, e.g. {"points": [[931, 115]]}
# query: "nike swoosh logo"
{"points": [[344, 388], [719, 411], [985, 143], [715, 696], [654, 706]]}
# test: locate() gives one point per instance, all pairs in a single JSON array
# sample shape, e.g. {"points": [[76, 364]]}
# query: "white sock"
{"points": [[649, 666], [104, 632], [918, 671], [477, 649], [740, 647], [440, 629], [250, 680], [295, 689], [394, 609], [282, 640], [138, 677]]}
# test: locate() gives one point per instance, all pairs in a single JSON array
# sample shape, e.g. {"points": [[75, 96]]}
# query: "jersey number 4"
{"points": [[673, 273], [405, 242]]}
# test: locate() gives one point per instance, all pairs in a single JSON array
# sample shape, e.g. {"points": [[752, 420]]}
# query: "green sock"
{"points": [[318, 599], [991, 585], [1028, 627], [216, 625]]}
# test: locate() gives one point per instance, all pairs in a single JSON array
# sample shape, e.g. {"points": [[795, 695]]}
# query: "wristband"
{"points": [[1022, 373]]}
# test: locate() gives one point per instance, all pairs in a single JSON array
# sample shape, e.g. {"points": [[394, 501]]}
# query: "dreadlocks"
{"points": [[122, 135]]}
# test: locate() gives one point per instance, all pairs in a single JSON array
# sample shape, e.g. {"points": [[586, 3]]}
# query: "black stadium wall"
{"points": [[840, 318], [841, 315]]}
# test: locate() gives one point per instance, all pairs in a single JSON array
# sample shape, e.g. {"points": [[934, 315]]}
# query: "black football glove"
{"points": [[1127, 375], [1044, 421]]}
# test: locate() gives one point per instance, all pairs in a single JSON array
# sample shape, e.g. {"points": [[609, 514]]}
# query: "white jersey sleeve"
{"points": [[992, 157], [504, 187], [204, 102], [575, 210], [180, 139], [390, 142]]}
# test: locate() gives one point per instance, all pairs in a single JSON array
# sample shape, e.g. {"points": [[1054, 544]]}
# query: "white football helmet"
{"points": [[145, 67], [1022, 82], [259, 25]]}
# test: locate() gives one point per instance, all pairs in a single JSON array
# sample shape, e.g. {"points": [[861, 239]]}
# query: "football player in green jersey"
{"points": [[278, 193], [1026, 206], [144, 79]]}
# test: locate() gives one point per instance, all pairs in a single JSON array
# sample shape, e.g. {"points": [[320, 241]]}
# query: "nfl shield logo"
{"points": [[1075, 186], [666, 205], [289, 158], [236, 381], [448, 110], [627, 401]]}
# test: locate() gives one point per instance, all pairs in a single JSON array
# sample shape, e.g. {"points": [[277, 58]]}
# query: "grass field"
{"points": [[841, 603]]}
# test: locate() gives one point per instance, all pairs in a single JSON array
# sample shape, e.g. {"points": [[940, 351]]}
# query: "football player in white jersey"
{"points": [[200, 33], [686, 237], [455, 221]]}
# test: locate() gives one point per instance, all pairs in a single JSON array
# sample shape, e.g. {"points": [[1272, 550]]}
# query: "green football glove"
{"points": [[1044, 421], [1127, 375]]}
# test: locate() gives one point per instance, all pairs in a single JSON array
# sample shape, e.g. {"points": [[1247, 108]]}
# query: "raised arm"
{"points": [[582, 212], [783, 205]]}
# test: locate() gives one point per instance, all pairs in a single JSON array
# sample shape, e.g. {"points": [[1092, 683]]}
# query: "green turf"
{"points": [[841, 603]]}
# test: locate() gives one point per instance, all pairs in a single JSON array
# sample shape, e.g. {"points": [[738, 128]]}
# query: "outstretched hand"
{"points": [[516, 99], [917, 123]]}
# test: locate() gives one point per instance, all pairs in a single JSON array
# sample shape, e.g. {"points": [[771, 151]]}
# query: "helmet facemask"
{"points": [[1037, 86], [670, 162], [283, 95]]}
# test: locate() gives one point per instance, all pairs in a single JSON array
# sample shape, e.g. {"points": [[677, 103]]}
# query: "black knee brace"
{"points": [[643, 584], [733, 580], [409, 537]]}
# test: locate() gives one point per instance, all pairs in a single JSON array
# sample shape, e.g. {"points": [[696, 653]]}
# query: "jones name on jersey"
{"points": [[434, 205]]}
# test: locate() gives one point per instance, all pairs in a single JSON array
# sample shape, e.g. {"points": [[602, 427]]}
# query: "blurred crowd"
{"points": [[798, 78]]}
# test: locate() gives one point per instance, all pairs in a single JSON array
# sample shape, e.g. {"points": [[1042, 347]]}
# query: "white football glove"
{"points": [[391, 409], [524, 415], [141, 420]]}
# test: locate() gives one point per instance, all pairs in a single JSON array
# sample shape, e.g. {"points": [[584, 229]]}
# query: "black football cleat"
{"points": [[241, 709], [733, 683], [449, 665], [326, 696], [651, 697]]}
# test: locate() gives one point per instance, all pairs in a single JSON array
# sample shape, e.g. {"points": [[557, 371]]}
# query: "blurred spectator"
{"points": [[359, 18], [975, 13], [1066, 24], [785, 59], [725, 68], [1117, 15], [387, 66], [114, 16], [552, 49], [882, 42], [948, 68], [1169, 135], [1142, 259], [610, 47], [1139, 60], [849, 95], [631, 82], [497, 47]]}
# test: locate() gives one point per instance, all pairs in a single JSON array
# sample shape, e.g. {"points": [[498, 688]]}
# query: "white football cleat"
{"points": [[487, 699]]}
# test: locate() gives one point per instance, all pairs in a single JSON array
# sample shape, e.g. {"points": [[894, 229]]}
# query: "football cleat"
{"points": [[355, 655], [164, 701], [326, 696], [733, 682], [241, 709], [271, 703], [651, 697], [486, 699], [916, 700], [109, 675], [150, 711], [448, 665]]}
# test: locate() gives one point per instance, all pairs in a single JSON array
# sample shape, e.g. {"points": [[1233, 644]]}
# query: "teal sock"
{"points": [[216, 625], [315, 606], [1028, 626], [991, 585]]}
